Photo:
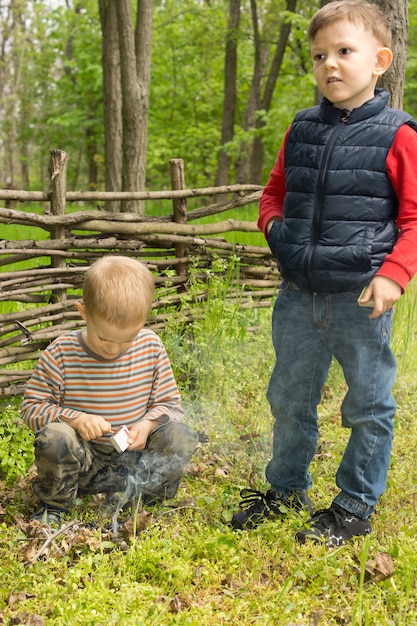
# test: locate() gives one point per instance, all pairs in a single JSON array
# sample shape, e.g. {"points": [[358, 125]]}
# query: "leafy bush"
{"points": [[16, 445]]}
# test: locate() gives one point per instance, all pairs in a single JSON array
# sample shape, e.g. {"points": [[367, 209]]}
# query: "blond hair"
{"points": [[119, 290], [366, 14]]}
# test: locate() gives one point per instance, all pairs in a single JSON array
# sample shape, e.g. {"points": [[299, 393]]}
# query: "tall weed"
{"points": [[404, 336], [220, 360]]}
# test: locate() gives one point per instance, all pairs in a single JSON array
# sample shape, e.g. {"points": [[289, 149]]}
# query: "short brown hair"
{"points": [[119, 290], [355, 11]]}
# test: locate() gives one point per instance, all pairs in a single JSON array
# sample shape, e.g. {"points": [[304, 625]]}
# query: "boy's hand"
{"points": [[385, 292], [90, 426], [139, 433], [269, 224]]}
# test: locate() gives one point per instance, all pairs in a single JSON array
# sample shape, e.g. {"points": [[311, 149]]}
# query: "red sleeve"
{"points": [[400, 265], [272, 199]]}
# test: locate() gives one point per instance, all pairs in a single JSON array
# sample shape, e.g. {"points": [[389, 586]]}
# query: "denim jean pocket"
{"points": [[286, 286]]}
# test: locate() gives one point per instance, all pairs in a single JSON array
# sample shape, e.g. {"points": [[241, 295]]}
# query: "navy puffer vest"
{"points": [[340, 210]]}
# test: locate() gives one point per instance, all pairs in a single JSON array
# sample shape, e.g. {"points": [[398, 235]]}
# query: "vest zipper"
{"points": [[319, 194]]}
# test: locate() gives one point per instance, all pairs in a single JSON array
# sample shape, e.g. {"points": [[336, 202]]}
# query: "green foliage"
{"points": [[54, 99], [74, 115], [200, 352], [16, 445], [54, 79], [186, 89], [188, 566]]}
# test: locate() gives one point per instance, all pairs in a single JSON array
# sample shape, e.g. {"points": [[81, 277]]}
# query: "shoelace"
{"points": [[252, 497], [320, 518]]}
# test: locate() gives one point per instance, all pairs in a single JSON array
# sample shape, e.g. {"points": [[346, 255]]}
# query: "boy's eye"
{"points": [[318, 57], [344, 51]]}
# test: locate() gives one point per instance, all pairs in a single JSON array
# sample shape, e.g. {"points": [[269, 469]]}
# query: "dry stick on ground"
{"points": [[50, 540], [53, 542]]}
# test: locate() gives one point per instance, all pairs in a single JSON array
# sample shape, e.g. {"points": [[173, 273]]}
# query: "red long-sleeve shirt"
{"points": [[400, 264]]}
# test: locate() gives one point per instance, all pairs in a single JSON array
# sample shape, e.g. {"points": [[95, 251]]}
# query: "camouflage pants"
{"points": [[69, 466]]}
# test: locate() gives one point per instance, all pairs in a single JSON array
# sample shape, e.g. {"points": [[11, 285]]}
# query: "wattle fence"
{"points": [[42, 277]]}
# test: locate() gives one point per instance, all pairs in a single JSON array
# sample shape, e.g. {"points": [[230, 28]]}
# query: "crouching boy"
{"points": [[89, 383]]}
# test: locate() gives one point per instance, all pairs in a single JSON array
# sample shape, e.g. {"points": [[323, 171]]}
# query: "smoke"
{"points": [[154, 478]]}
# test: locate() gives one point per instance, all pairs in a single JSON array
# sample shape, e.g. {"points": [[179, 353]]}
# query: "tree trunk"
{"points": [[258, 147], [135, 99], [143, 48], [112, 100], [253, 105], [230, 93], [131, 120], [91, 145], [393, 80], [249, 166]]}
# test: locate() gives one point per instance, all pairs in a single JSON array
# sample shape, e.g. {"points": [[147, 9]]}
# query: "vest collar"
{"points": [[332, 115]]}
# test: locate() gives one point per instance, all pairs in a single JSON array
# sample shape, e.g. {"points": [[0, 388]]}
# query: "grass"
{"points": [[187, 566]]}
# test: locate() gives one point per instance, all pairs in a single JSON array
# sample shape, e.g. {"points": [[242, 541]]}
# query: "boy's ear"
{"points": [[383, 61], [81, 310]]}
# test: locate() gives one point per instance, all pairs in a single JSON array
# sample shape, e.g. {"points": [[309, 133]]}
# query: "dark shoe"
{"points": [[257, 507], [333, 527], [52, 517], [149, 500]]}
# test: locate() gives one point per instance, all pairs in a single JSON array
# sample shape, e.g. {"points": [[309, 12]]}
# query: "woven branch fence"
{"points": [[42, 296]]}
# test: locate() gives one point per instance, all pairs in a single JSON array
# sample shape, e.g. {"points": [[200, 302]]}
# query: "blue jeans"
{"points": [[307, 331]]}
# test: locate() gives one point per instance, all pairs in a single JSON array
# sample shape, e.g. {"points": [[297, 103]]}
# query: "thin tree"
{"points": [[126, 71], [249, 166], [230, 93], [269, 88], [112, 99]]}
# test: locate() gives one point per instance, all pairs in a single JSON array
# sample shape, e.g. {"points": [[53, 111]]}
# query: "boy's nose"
{"points": [[330, 62]]}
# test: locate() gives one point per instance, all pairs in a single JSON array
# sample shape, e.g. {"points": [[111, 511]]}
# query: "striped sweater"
{"points": [[69, 379]]}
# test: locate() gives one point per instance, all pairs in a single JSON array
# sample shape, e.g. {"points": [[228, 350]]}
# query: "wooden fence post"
{"points": [[58, 177], [180, 211]]}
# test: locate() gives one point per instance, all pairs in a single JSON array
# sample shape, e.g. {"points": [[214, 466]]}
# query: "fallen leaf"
{"points": [[377, 569], [18, 597], [31, 552], [28, 619], [220, 472], [196, 470], [179, 603], [135, 524], [380, 568]]}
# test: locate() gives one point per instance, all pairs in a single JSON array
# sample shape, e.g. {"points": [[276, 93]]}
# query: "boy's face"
{"points": [[106, 339], [347, 60]]}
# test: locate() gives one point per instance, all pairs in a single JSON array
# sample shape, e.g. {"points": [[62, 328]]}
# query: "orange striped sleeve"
{"points": [[68, 381]]}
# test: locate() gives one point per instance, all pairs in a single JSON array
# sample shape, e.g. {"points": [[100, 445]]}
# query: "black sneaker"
{"points": [[333, 527], [52, 517], [258, 506]]}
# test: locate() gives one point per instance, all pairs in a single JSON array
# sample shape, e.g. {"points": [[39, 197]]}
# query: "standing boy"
{"points": [[340, 214], [88, 384]]}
